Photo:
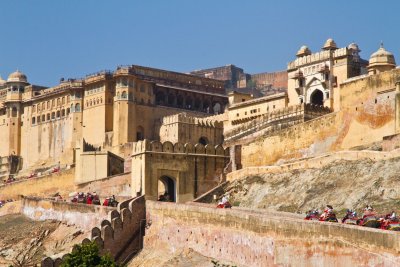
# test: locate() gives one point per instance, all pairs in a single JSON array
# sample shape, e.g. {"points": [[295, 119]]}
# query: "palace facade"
{"points": [[42, 126]]}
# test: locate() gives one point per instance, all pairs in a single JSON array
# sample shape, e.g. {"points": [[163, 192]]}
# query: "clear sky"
{"points": [[49, 39]]}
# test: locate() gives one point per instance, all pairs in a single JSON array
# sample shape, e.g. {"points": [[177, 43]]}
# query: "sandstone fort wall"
{"points": [[255, 238], [61, 182], [84, 216], [120, 234]]}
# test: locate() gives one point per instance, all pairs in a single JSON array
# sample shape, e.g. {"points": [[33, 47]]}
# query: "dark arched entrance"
{"points": [[317, 98], [166, 189]]}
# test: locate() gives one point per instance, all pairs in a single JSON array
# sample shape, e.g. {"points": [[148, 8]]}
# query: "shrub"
{"points": [[87, 255]]}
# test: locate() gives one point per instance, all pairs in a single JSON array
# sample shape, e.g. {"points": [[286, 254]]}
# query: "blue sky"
{"points": [[49, 39]]}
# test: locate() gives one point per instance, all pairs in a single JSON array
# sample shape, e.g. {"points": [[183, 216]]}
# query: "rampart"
{"points": [[120, 234], [275, 121], [314, 162], [259, 238], [84, 216], [187, 119], [44, 186]]}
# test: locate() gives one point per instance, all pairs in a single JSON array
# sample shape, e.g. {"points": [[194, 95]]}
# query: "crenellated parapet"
{"points": [[187, 119], [146, 146], [120, 235]]}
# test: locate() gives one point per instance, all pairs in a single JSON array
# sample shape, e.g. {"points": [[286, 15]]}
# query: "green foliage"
{"points": [[88, 256]]}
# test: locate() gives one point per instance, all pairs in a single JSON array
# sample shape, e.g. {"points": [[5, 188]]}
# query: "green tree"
{"points": [[87, 255]]}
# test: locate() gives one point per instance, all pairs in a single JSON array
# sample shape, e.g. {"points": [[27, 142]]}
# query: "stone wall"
{"points": [[44, 186], [314, 162], [121, 235], [84, 216], [258, 238], [118, 185]]}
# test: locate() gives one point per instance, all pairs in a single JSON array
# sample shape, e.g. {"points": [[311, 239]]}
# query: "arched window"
{"points": [[203, 140], [63, 113], [14, 112], [48, 116], [97, 101], [43, 117], [33, 120], [123, 95], [38, 119], [58, 114], [53, 115], [139, 133], [68, 111], [160, 98], [78, 107], [179, 101]]}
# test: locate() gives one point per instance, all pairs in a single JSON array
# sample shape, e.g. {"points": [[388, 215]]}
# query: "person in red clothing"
{"points": [[105, 203]]}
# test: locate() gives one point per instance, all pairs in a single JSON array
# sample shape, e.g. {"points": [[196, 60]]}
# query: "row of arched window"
{"points": [[95, 101], [54, 115], [50, 104]]}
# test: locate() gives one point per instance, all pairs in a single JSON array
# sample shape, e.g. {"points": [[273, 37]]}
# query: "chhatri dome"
{"points": [[380, 61], [329, 44], [17, 76], [303, 51]]}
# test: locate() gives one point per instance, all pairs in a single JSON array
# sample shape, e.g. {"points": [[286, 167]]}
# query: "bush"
{"points": [[87, 255]]}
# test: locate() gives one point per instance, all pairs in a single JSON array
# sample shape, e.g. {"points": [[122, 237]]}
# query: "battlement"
{"points": [[120, 235], [316, 57], [187, 119], [146, 146]]}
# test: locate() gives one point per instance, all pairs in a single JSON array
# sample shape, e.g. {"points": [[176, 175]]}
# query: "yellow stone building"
{"points": [[42, 126]]}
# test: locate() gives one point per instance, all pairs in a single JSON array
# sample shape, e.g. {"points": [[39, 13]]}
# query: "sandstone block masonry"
{"points": [[259, 238], [120, 235], [184, 171]]}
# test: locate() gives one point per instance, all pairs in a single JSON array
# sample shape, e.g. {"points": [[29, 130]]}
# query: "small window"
{"points": [[33, 120]]}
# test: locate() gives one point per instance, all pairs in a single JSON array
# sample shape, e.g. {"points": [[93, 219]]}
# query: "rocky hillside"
{"points": [[343, 184], [24, 242]]}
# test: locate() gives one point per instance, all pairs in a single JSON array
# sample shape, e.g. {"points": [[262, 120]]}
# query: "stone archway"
{"points": [[166, 189], [317, 98]]}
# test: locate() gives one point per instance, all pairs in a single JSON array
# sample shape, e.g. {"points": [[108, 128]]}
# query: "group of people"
{"points": [[3, 202], [93, 199], [370, 218]]}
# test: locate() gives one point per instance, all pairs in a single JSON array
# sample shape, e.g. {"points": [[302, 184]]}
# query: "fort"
{"points": [[169, 145]]}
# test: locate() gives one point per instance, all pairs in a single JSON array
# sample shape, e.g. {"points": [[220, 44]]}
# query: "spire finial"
{"points": [[381, 44]]}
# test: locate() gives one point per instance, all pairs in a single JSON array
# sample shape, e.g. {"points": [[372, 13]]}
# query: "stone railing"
{"points": [[277, 120], [121, 235]]}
